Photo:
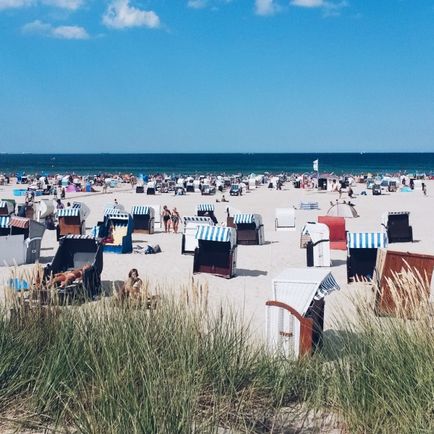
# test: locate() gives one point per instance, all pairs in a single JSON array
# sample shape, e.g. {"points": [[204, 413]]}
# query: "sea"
{"points": [[228, 163]]}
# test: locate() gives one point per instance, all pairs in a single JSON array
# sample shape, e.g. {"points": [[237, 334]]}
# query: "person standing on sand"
{"points": [[175, 220], [424, 188], [166, 218]]}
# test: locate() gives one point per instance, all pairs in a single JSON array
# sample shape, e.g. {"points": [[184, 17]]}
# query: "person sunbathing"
{"points": [[67, 277], [132, 287]]}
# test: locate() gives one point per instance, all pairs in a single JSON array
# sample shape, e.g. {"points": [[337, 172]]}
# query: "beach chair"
{"points": [[295, 315], [70, 222], [317, 245], [397, 226], [77, 251], [7, 207], [362, 250], [338, 235], [285, 219], [395, 296], [250, 229], [115, 232], [216, 252], [189, 241], [206, 210], [143, 219]]}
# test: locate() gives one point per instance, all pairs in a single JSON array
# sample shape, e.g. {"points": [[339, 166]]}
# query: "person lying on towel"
{"points": [[69, 276]]}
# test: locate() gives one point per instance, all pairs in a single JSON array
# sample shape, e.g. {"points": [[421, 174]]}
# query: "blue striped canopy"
{"points": [[3, 204], [309, 205], [111, 211], [79, 237], [4, 222], [366, 240], [328, 285], [118, 215], [215, 233], [205, 207], [68, 212], [197, 219], [244, 218], [141, 210]]}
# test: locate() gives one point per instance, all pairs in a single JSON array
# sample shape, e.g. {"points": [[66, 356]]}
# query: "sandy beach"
{"points": [[256, 265]]}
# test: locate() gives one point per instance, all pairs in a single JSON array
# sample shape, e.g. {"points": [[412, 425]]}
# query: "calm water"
{"points": [[215, 163]]}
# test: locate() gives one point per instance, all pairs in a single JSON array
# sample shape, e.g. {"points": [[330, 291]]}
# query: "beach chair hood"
{"points": [[216, 233]]}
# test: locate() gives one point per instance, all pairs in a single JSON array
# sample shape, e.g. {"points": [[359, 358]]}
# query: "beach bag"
{"points": [[149, 250]]}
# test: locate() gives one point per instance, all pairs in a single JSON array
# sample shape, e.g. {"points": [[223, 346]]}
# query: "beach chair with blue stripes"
{"points": [[116, 231], [250, 229], [206, 210], [362, 250], [216, 252], [70, 222], [143, 219], [189, 241]]}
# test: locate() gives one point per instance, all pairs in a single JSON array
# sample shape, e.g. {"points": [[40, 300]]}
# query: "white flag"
{"points": [[315, 165]]}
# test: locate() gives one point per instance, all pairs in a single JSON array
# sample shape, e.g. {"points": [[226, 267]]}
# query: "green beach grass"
{"points": [[107, 367]]}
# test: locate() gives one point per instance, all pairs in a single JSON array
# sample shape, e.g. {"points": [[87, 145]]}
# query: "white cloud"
{"points": [[61, 32], [36, 27], [70, 32], [197, 4], [211, 4], [329, 8], [265, 7], [120, 14], [71, 5], [308, 3], [15, 4]]}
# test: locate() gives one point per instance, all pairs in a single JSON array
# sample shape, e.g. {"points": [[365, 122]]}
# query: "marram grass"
{"points": [[107, 367]]}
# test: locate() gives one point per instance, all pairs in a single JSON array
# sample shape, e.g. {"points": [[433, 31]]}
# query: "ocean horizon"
{"points": [[191, 163]]}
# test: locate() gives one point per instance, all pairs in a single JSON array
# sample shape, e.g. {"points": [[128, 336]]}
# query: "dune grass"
{"points": [[123, 368]]}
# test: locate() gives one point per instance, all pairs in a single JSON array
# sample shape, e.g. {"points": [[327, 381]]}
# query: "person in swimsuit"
{"points": [[166, 218], [67, 277], [133, 286], [175, 220]]}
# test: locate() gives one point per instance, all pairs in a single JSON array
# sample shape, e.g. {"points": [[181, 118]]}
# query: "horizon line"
{"points": [[212, 153]]}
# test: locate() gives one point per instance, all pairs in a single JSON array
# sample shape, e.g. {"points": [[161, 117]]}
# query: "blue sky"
{"points": [[216, 75]]}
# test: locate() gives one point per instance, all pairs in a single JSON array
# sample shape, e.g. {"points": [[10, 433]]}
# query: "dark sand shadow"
{"points": [[338, 262], [250, 273], [270, 242], [45, 259]]}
